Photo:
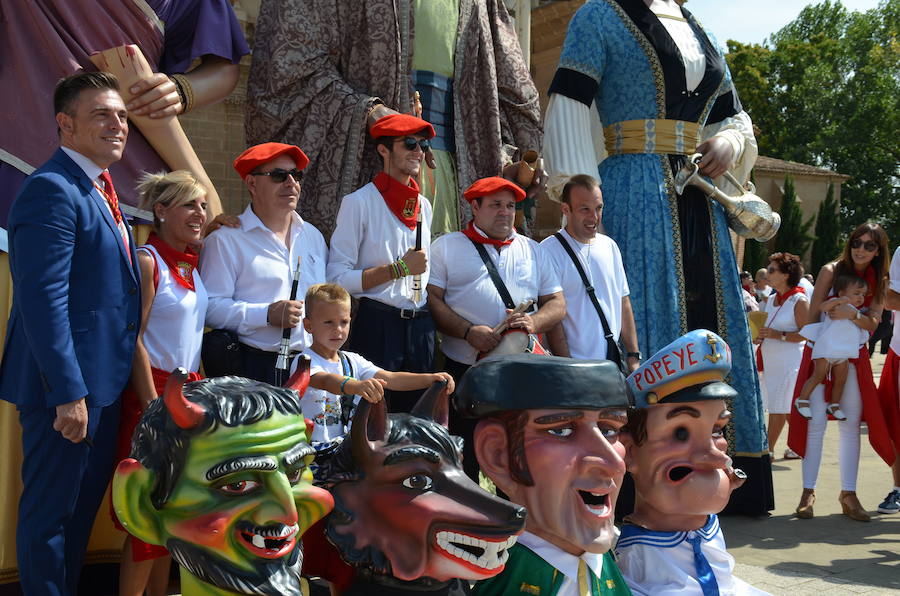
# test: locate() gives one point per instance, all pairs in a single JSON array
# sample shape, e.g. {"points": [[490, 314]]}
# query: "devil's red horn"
{"points": [[299, 381], [185, 413]]}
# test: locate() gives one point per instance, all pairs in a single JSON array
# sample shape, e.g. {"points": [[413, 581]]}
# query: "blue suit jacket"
{"points": [[76, 298]]}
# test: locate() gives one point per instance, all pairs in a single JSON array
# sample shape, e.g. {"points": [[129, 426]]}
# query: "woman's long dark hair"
{"points": [[844, 265]]}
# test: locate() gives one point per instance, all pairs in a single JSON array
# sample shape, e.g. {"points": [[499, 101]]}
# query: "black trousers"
{"points": [[462, 427], [380, 333], [260, 365]]}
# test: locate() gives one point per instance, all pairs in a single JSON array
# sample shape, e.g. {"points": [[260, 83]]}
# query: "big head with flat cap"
{"points": [[548, 438]]}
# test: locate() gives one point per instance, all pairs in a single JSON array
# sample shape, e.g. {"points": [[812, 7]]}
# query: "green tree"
{"points": [[756, 255], [827, 245], [825, 90], [793, 235]]}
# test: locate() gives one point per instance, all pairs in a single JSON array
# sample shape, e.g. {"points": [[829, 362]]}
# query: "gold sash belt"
{"points": [[652, 136]]}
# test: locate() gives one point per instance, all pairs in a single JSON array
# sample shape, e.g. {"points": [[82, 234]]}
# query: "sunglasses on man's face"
{"points": [[868, 245], [409, 143], [279, 175]]}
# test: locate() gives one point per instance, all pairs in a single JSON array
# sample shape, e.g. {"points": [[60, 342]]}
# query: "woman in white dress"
{"points": [[781, 344]]}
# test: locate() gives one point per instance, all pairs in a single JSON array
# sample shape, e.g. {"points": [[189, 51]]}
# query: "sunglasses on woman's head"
{"points": [[279, 175], [869, 245], [409, 143]]}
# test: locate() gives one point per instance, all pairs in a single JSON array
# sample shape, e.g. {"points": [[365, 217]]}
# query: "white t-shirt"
{"points": [[324, 408], [469, 292], [807, 288], [602, 263], [895, 285]]}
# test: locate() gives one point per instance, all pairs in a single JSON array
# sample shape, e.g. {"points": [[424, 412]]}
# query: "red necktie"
{"points": [[109, 193]]}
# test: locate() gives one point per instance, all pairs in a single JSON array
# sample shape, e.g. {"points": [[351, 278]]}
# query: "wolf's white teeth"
{"points": [[259, 541], [490, 559]]}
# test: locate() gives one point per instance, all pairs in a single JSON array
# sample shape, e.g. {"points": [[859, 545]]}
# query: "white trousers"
{"points": [[848, 434]]}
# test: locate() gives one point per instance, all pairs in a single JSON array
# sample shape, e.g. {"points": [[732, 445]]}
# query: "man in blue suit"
{"points": [[72, 331]]}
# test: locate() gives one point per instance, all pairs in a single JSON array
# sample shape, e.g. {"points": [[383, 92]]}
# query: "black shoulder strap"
{"points": [[495, 276], [612, 347], [347, 401]]}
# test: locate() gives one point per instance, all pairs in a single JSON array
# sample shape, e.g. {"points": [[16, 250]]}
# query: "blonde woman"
{"points": [[173, 309]]}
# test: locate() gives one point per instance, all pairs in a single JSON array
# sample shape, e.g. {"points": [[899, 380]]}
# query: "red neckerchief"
{"points": [[780, 298], [181, 264], [402, 200], [869, 276], [473, 234]]}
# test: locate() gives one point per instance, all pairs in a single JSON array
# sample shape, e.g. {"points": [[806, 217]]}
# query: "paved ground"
{"points": [[830, 554]]}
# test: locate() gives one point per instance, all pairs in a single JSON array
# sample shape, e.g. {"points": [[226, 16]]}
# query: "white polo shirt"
{"points": [[602, 263], [469, 291], [248, 268], [367, 234]]}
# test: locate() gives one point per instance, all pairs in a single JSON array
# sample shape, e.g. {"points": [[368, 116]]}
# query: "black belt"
{"points": [[402, 313], [251, 349]]}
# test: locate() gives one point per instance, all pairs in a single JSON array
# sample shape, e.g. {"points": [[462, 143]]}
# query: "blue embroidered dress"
{"points": [[677, 251]]}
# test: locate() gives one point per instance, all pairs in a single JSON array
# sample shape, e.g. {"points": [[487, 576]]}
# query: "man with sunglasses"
{"points": [[379, 253], [248, 270]]}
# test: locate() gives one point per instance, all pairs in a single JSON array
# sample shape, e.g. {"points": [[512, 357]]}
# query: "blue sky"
{"points": [[751, 21]]}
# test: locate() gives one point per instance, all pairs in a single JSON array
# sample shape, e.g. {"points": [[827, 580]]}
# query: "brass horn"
{"points": [[748, 215]]}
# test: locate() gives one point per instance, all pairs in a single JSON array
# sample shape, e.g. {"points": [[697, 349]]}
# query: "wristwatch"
{"points": [[634, 355]]}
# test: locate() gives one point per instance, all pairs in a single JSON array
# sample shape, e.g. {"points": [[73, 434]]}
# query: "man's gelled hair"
{"points": [[161, 445]]}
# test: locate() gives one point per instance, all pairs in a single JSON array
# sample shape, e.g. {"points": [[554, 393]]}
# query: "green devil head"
{"points": [[219, 476]]}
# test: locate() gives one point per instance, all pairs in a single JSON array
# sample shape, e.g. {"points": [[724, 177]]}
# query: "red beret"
{"points": [[257, 155], [400, 125], [488, 186]]}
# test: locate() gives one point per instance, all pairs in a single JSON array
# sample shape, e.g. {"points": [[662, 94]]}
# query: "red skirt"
{"points": [[131, 415], [872, 413]]}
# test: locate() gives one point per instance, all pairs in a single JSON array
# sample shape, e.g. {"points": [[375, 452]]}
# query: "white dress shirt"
{"points": [[246, 269], [469, 292], [566, 563], [602, 263], [367, 234], [93, 172]]}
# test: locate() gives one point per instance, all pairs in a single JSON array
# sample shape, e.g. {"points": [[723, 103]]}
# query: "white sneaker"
{"points": [[791, 454]]}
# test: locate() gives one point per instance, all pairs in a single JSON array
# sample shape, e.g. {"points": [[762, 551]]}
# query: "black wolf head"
{"points": [[405, 512]]}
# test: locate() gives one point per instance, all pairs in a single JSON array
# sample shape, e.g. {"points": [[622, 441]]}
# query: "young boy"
{"points": [[338, 379]]}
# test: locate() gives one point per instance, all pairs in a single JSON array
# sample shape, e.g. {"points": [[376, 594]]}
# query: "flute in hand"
{"points": [[417, 278], [284, 352]]}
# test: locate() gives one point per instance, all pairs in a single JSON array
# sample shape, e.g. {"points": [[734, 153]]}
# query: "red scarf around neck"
{"points": [[780, 298], [181, 264], [402, 200], [473, 234]]}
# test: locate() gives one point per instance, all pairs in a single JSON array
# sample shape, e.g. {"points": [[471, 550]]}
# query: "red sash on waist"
{"points": [[872, 414], [889, 396]]}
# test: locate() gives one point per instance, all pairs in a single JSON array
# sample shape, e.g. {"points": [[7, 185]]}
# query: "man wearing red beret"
{"points": [[465, 301], [248, 270], [379, 253]]}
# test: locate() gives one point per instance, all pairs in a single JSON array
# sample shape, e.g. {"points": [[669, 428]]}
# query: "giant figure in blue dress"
{"points": [[640, 87]]}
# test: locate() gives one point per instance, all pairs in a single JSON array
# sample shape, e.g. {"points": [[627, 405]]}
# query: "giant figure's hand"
{"points": [[718, 155], [155, 96], [72, 420]]}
